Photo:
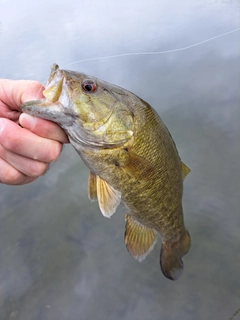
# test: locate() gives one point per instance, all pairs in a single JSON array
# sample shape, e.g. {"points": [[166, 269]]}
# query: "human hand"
{"points": [[27, 150]]}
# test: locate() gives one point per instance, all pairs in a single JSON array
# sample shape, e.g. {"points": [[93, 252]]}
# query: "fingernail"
{"points": [[27, 121]]}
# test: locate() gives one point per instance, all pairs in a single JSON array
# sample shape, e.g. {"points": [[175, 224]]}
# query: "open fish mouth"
{"points": [[55, 105], [48, 110], [54, 84]]}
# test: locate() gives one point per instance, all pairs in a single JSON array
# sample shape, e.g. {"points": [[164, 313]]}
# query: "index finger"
{"points": [[43, 128], [26, 143]]}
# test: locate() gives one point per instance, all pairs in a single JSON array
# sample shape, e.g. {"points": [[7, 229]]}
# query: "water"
{"points": [[59, 257]]}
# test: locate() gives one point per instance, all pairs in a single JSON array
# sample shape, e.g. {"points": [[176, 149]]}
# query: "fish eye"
{"points": [[89, 85]]}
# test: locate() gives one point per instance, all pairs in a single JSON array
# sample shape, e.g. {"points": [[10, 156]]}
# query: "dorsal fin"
{"points": [[185, 170], [138, 239]]}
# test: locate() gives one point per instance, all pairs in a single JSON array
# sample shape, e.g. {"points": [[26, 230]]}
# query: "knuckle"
{"points": [[55, 151], [10, 142], [8, 135], [12, 177], [38, 169]]}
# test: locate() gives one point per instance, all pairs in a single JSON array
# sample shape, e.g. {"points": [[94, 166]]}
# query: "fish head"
{"points": [[91, 111]]}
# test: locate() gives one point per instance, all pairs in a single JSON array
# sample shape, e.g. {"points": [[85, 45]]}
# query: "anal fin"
{"points": [[138, 239]]}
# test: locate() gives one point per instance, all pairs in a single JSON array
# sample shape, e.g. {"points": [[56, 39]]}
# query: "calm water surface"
{"points": [[59, 257]]}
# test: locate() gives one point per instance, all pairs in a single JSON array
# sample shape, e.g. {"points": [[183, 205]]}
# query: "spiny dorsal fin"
{"points": [[138, 239], [185, 170], [108, 197], [92, 187]]}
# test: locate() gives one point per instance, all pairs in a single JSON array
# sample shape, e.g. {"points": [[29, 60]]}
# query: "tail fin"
{"points": [[171, 254]]}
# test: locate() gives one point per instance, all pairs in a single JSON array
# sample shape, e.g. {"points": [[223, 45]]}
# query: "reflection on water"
{"points": [[59, 258]]}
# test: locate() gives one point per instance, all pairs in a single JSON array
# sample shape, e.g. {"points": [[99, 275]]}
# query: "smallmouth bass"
{"points": [[132, 159]]}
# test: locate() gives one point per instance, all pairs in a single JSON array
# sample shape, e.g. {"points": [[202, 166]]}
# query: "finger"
{"points": [[11, 176], [43, 128], [15, 92], [30, 91], [25, 143], [29, 167]]}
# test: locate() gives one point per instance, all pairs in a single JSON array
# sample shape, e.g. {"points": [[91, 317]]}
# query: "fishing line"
{"points": [[234, 314], [151, 52], [148, 52]]}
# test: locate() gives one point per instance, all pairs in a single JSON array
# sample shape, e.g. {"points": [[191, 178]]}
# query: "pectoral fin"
{"points": [[108, 198], [185, 170], [137, 167], [138, 239]]}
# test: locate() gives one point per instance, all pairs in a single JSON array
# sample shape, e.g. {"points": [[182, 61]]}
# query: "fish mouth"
{"points": [[58, 106], [55, 106], [48, 110], [54, 84]]}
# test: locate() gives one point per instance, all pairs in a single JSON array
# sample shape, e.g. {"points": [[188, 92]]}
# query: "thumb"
{"points": [[15, 92], [31, 90]]}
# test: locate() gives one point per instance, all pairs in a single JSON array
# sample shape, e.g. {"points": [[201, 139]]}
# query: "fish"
{"points": [[132, 158]]}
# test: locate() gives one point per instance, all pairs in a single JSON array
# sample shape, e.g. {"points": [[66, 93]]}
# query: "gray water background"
{"points": [[59, 257]]}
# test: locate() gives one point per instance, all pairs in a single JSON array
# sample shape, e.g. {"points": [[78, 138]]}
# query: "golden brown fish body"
{"points": [[131, 156]]}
